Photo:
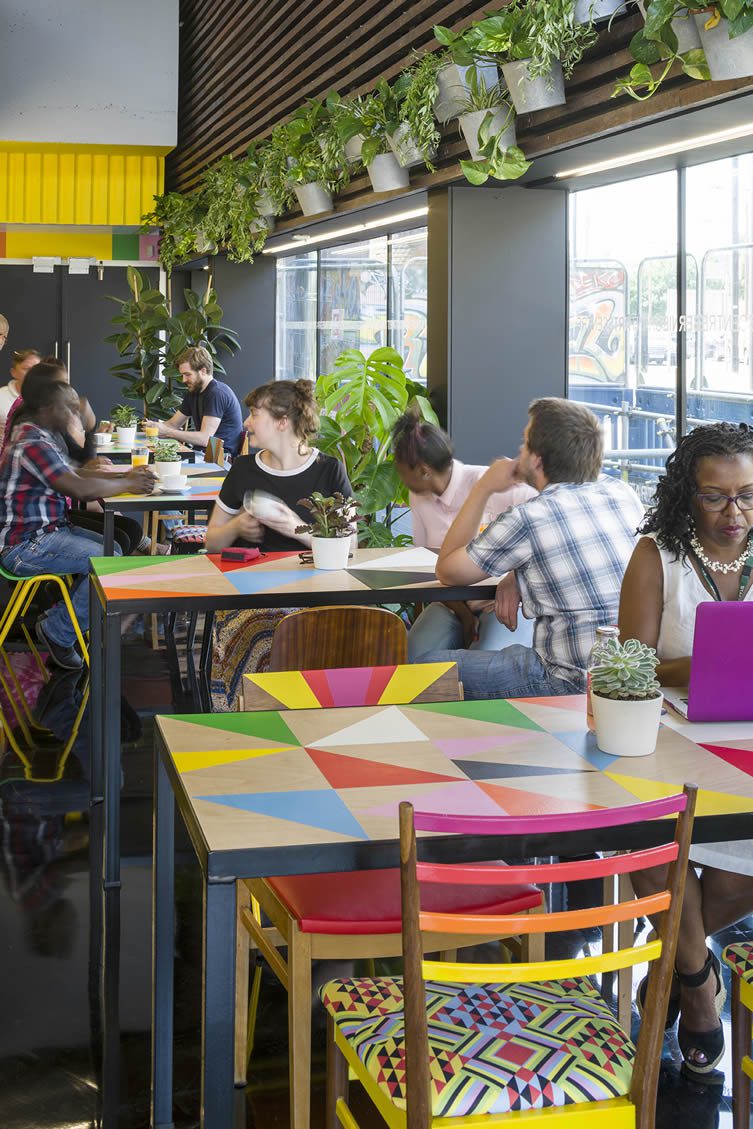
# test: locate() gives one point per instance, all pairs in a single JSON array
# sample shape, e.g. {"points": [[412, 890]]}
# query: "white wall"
{"points": [[89, 72]]}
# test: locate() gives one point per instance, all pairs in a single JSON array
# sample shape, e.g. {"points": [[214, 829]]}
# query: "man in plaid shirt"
{"points": [[568, 549]]}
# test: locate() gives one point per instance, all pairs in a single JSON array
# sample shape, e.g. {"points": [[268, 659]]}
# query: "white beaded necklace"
{"points": [[719, 566]]}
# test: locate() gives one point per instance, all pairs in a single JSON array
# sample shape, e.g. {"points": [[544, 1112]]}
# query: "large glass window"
{"points": [[354, 296]]}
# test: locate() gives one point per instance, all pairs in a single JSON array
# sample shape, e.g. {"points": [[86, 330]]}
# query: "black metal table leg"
{"points": [[163, 910], [108, 533], [217, 1088]]}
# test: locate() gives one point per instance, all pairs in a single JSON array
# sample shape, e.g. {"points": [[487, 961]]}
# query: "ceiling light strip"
{"points": [[680, 146], [303, 241]]}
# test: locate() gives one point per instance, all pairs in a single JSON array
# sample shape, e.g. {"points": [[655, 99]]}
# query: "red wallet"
{"points": [[239, 554]]}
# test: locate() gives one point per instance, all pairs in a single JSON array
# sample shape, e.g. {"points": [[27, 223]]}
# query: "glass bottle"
{"points": [[602, 634]]}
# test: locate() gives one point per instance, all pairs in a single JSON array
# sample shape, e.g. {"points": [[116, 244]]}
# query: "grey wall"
{"points": [[497, 310]]}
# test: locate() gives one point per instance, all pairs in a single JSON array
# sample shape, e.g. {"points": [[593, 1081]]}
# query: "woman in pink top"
{"points": [[438, 485]]}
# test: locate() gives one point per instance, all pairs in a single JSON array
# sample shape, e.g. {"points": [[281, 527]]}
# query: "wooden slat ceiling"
{"points": [[244, 66]]}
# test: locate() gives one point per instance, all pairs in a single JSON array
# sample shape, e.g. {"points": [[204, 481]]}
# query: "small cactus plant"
{"points": [[167, 451], [625, 671]]}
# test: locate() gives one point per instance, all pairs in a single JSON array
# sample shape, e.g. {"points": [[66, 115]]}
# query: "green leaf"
{"points": [[644, 50], [511, 165], [475, 172], [658, 14], [731, 9], [742, 23], [694, 65]]}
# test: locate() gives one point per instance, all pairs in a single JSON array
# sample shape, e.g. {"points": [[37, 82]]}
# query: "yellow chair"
{"points": [[739, 958]]}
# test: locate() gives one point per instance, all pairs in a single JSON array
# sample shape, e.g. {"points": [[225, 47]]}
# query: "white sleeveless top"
{"points": [[683, 592]]}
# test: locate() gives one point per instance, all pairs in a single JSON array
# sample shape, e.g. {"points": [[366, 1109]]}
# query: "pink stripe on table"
{"points": [[546, 824]]}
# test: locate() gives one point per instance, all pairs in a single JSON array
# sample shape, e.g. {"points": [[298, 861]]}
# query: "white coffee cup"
{"points": [[176, 482], [102, 438]]}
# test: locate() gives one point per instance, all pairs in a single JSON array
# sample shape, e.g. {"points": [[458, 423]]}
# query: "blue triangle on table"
{"points": [[584, 744], [321, 808], [247, 582]]}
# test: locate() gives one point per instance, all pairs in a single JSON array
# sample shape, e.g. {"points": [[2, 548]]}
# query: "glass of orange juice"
{"points": [[140, 456], [151, 431]]}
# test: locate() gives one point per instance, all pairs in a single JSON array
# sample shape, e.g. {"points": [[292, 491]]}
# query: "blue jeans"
{"points": [[62, 552], [515, 672], [437, 628]]}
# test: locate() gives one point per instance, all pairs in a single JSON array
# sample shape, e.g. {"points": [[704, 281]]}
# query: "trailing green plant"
{"points": [[483, 97], [461, 47], [330, 517], [123, 415], [167, 451], [538, 31], [314, 152], [232, 219], [625, 671], [416, 93], [361, 399], [273, 159], [496, 160], [151, 338], [656, 43], [366, 116], [180, 219]]}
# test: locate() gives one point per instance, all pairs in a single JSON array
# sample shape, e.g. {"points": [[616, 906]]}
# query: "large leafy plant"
{"points": [[656, 43], [180, 219], [361, 400], [231, 190], [151, 338], [540, 31], [496, 160], [313, 148], [417, 91]]}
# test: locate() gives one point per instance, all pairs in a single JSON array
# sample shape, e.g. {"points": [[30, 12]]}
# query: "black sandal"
{"points": [[707, 1044], [673, 1003]]}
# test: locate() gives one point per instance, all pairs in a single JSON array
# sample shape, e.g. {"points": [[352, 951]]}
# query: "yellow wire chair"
{"points": [[488, 1046], [739, 958]]}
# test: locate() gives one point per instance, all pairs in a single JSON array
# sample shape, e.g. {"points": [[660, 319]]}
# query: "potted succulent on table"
{"points": [[125, 420], [167, 462], [331, 527], [626, 698]]}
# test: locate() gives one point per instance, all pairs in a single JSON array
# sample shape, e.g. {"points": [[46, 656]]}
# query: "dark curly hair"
{"points": [[671, 517]]}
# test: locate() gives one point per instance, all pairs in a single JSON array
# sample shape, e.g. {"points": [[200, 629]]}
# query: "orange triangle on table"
{"points": [[353, 772], [514, 801]]}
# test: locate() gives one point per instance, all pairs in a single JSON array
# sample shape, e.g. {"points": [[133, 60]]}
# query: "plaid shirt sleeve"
{"points": [[505, 544], [43, 460]]}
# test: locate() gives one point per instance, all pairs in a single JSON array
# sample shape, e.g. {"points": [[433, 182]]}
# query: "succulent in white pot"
{"points": [[626, 698], [167, 458], [125, 421], [332, 524]]}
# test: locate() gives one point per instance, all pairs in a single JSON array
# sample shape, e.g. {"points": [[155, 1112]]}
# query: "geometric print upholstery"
{"points": [[493, 1048], [187, 538], [739, 958]]}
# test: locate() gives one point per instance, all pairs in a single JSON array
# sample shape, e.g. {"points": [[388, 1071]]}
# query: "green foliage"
{"points": [[330, 517], [123, 415], [361, 399], [416, 96], [180, 219], [656, 42], [231, 191], [365, 117], [167, 451], [496, 161], [314, 151], [151, 338], [541, 31], [483, 97], [625, 670]]}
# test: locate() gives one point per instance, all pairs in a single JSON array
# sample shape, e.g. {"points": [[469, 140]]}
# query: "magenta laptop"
{"points": [[721, 674]]}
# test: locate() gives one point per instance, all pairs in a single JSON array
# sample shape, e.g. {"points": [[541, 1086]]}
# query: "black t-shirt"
{"points": [[321, 472], [220, 401]]}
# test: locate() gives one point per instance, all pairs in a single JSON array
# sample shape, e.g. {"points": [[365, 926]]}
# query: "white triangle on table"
{"points": [[388, 727], [411, 558]]}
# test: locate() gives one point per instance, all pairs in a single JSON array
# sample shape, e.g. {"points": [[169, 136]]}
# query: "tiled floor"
{"points": [[48, 1045]]}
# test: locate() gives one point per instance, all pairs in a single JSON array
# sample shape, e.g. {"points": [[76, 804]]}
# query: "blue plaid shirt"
{"points": [[569, 547]]}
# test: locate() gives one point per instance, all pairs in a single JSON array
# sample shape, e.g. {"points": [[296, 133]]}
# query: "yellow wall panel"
{"points": [[4, 203], [83, 245], [83, 212], [49, 188], [16, 174], [100, 179], [32, 188], [67, 187]]}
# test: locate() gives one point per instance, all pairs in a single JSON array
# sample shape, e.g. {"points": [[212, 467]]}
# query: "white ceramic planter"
{"points": [[454, 87], [626, 729], [126, 436], [205, 246], [688, 38], [330, 552], [168, 470], [386, 174], [470, 124], [727, 58], [264, 223], [531, 94], [404, 147], [353, 148], [313, 198], [591, 11], [265, 205]]}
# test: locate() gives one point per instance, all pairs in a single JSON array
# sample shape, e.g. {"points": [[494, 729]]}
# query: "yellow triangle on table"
{"points": [[289, 687], [709, 803], [410, 680], [190, 762]]}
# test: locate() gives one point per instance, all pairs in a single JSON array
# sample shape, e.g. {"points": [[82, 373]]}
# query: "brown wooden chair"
{"points": [[320, 638], [215, 451]]}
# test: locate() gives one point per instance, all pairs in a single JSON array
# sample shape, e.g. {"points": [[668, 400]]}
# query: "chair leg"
{"points": [[449, 956], [241, 987], [299, 1027], [337, 1077], [253, 1011], [741, 1026]]}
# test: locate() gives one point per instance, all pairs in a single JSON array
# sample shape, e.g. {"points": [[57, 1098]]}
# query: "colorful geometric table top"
{"points": [[351, 686], [200, 487], [279, 576], [327, 776]]}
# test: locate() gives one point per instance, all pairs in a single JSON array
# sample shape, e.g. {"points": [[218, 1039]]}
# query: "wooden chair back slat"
{"points": [[318, 638]]}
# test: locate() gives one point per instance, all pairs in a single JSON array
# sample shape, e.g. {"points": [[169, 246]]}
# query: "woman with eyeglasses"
{"points": [[697, 547]]}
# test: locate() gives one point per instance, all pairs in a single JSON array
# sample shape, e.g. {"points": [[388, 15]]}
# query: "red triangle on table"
{"points": [[317, 680], [515, 801], [738, 758], [353, 772], [378, 683]]}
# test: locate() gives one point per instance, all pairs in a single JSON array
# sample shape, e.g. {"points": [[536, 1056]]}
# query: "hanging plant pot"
{"points": [[727, 58], [531, 94], [330, 552], [403, 145], [626, 729], [470, 124], [591, 11], [205, 246], [353, 149], [454, 87], [688, 38], [313, 198], [263, 223], [386, 175], [265, 205]]}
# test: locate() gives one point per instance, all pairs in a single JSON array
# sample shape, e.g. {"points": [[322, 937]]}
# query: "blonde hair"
{"points": [[4, 325], [293, 399]]}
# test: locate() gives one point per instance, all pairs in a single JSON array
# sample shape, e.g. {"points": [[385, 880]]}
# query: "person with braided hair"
{"points": [[695, 548]]}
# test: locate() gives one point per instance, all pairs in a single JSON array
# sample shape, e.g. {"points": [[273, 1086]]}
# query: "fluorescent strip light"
{"points": [[660, 151], [304, 241]]}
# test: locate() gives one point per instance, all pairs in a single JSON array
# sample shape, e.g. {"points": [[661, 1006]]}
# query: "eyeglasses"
{"points": [[715, 503]]}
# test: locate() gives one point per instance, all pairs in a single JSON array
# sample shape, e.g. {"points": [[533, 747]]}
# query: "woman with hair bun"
{"points": [[438, 485], [283, 422]]}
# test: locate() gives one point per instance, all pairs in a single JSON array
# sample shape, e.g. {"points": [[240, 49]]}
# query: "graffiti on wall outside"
{"points": [[598, 309]]}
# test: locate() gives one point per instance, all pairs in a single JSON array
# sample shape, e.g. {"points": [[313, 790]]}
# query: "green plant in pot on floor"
{"points": [[626, 698], [332, 525]]}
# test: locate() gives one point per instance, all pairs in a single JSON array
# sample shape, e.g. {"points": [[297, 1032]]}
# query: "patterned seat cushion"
{"points": [[739, 958], [493, 1048], [189, 538]]}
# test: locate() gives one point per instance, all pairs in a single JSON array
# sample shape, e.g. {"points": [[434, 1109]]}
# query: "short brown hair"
{"points": [[21, 355], [567, 438], [292, 398], [197, 357]]}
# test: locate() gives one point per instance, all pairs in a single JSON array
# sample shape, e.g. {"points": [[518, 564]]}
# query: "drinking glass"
{"points": [[140, 456]]}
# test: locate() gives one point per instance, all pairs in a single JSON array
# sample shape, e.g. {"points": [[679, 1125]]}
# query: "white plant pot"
{"points": [[353, 149], [532, 94], [404, 147], [126, 436], [727, 58], [591, 11], [313, 198], [386, 174], [454, 87], [263, 223], [205, 246], [626, 729], [330, 552], [168, 470], [688, 38], [470, 124], [265, 204]]}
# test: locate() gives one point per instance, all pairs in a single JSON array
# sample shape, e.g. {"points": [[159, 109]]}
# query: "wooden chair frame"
{"points": [[390, 645]]}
